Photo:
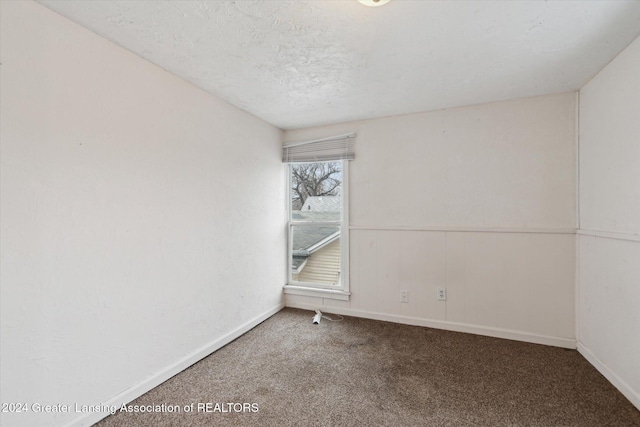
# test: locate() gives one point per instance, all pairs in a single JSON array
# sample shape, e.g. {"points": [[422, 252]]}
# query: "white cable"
{"points": [[319, 315], [333, 320]]}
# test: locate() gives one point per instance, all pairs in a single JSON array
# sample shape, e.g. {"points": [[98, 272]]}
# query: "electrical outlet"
{"points": [[442, 294], [404, 296]]}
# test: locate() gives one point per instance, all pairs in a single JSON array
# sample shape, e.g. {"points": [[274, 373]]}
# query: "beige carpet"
{"points": [[368, 373]]}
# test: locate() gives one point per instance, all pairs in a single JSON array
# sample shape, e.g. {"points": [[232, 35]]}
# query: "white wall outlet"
{"points": [[404, 296], [442, 294]]}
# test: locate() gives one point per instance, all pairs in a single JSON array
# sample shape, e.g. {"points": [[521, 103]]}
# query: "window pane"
{"points": [[315, 254], [316, 191]]}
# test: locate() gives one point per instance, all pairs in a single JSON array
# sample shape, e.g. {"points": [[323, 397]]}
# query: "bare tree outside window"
{"points": [[314, 179]]}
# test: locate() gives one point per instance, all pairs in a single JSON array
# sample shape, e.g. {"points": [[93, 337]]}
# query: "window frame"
{"points": [[341, 291]]}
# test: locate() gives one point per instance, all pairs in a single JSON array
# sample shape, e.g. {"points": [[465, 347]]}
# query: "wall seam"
{"points": [[576, 287], [577, 137], [609, 235], [465, 229]]}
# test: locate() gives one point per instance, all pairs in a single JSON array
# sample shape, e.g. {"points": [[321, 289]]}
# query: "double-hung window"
{"points": [[318, 196]]}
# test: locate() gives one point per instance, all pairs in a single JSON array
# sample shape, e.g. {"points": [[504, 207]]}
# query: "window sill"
{"points": [[317, 292]]}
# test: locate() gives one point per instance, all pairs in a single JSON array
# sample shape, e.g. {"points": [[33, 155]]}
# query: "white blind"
{"points": [[339, 147]]}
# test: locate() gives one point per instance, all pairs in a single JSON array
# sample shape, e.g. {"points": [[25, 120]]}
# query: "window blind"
{"points": [[339, 147]]}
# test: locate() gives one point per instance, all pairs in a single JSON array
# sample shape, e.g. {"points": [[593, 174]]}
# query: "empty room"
{"points": [[319, 212]]}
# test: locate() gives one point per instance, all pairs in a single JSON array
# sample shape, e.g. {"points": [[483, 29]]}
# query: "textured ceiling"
{"points": [[304, 63]]}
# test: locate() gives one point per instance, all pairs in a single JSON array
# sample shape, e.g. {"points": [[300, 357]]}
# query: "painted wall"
{"points": [[142, 219], [479, 200], [608, 300]]}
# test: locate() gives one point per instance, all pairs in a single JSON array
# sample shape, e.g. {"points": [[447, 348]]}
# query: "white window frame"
{"points": [[340, 292]]}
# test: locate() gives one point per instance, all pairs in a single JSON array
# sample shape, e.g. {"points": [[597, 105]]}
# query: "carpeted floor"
{"points": [[362, 372]]}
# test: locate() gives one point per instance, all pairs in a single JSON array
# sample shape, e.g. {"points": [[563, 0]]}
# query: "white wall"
{"points": [[608, 300], [479, 200], [142, 218]]}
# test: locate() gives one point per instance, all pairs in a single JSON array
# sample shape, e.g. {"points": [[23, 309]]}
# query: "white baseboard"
{"points": [[621, 385], [448, 326], [138, 390]]}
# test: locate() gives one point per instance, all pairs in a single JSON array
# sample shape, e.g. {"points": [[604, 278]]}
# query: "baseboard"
{"points": [[448, 326], [138, 390], [621, 385]]}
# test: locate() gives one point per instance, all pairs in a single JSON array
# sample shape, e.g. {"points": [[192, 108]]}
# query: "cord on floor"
{"points": [[320, 315], [324, 316]]}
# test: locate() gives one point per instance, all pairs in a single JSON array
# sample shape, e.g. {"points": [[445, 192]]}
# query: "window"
{"points": [[318, 232]]}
